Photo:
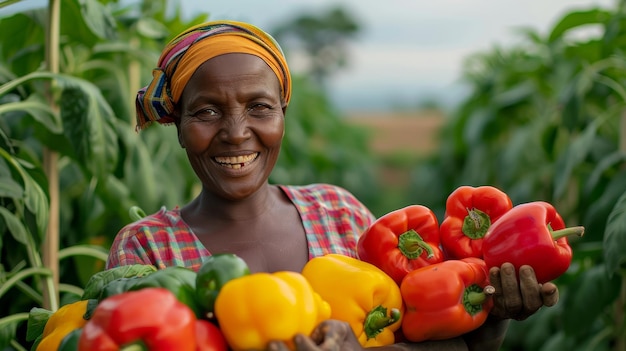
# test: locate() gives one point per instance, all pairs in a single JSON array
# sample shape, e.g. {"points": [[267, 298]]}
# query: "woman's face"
{"points": [[232, 124]]}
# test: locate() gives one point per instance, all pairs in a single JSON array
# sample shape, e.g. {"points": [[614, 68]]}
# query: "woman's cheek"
{"points": [[194, 137]]}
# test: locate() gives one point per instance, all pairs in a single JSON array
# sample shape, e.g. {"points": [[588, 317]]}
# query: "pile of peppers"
{"points": [[414, 279], [442, 269]]}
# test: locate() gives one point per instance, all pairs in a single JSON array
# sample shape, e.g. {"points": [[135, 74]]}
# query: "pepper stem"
{"points": [[557, 234], [377, 320], [476, 224], [411, 244], [136, 346], [473, 298]]}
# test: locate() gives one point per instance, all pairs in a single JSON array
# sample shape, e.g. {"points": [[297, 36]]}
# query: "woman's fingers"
{"points": [[519, 296]]}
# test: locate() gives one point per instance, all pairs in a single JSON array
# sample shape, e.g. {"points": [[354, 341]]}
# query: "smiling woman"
{"points": [[226, 87]]}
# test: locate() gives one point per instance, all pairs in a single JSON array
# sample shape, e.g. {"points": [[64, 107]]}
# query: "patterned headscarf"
{"points": [[190, 49]]}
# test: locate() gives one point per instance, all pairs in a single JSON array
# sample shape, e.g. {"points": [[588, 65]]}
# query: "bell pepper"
{"points": [[209, 337], [70, 341], [532, 234], [257, 308], [358, 293], [470, 211], [215, 271], [401, 241], [446, 299], [152, 316], [61, 323], [96, 282], [180, 281]]}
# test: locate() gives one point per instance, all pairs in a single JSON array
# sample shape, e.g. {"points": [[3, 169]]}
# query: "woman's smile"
{"points": [[236, 162]]}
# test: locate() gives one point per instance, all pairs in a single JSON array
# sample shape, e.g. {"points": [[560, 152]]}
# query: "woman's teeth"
{"points": [[236, 162]]}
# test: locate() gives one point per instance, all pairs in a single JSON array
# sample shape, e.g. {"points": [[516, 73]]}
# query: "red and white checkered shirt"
{"points": [[332, 217]]}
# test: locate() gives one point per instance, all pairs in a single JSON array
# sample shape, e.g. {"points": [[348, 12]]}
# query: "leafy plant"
{"points": [[545, 120]]}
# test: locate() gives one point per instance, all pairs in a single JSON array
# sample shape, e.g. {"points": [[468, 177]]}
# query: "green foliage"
{"points": [[85, 115], [545, 121]]}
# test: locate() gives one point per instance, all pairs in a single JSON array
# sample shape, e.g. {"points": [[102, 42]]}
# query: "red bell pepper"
{"points": [[401, 241], [470, 211], [152, 316], [446, 299], [209, 337], [532, 234]]}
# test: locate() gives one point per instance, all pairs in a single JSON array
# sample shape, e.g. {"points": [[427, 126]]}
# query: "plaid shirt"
{"points": [[332, 217]]}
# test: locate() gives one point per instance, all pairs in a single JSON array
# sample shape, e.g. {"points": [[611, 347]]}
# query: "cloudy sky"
{"points": [[408, 49]]}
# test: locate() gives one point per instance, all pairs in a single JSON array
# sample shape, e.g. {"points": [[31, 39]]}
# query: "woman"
{"points": [[226, 86]]}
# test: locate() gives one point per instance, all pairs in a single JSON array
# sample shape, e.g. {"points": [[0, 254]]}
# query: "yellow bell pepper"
{"points": [[66, 319], [360, 294], [254, 309]]}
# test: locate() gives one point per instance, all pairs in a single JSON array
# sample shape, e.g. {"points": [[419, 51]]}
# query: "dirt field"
{"points": [[401, 132]]}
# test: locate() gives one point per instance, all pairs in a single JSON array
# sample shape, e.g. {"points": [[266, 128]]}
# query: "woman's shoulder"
{"points": [[327, 197], [163, 218], [319, 192]]}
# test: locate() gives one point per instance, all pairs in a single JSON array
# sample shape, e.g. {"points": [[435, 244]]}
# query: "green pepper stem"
{"points": [[136, 346], [475, 224], [473, 298], [411, 244], [557, 234], [377, 320], [476, 298]]}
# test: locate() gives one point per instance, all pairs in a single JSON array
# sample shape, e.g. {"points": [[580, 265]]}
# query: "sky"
{"points": [[408, 50]]}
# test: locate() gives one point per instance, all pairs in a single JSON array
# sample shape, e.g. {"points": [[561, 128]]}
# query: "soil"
{"points": [[409, 135], [413, 133]]}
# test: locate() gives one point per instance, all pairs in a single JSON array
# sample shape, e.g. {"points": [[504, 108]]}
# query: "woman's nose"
{"points": [[235, 129]]}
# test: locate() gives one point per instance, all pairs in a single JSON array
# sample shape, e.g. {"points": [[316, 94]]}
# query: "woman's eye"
{"points": [[259, 107], [207, 112]]}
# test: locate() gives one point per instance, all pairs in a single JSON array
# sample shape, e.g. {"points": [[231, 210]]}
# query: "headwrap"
{"points": [[190, 49]]}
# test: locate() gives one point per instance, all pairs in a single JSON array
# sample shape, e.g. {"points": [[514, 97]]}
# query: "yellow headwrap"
{"points": [[187, 51]]}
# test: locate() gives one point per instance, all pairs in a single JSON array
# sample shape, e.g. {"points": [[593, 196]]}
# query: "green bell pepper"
{"points": [[180, 281], [216, 271]]}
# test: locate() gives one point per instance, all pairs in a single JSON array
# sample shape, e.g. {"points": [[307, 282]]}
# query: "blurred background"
{"points": [[399, 102]]}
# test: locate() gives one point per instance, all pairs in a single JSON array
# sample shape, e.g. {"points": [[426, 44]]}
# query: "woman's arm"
{"points": [[489, 336]]}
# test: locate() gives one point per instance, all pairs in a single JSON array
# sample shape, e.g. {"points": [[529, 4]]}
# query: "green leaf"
{"points": [[37, 319], [601, 205], [514, 95], [8, 328], [100, 279], [36, 202], [23, 38], [575, 154], [87, 21], [10, 188], [607, 162], [15, 226], [577, 19], [39, 110], [89, 124], [152, 29], [93, 251], [615, 237], [587, 298]]}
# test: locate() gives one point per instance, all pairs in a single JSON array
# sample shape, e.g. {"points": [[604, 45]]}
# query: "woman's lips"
{"points": [[236, 162]]}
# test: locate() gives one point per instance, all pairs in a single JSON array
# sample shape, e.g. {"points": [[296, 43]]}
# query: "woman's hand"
{"points": [[519, 300], [330, 335]]}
